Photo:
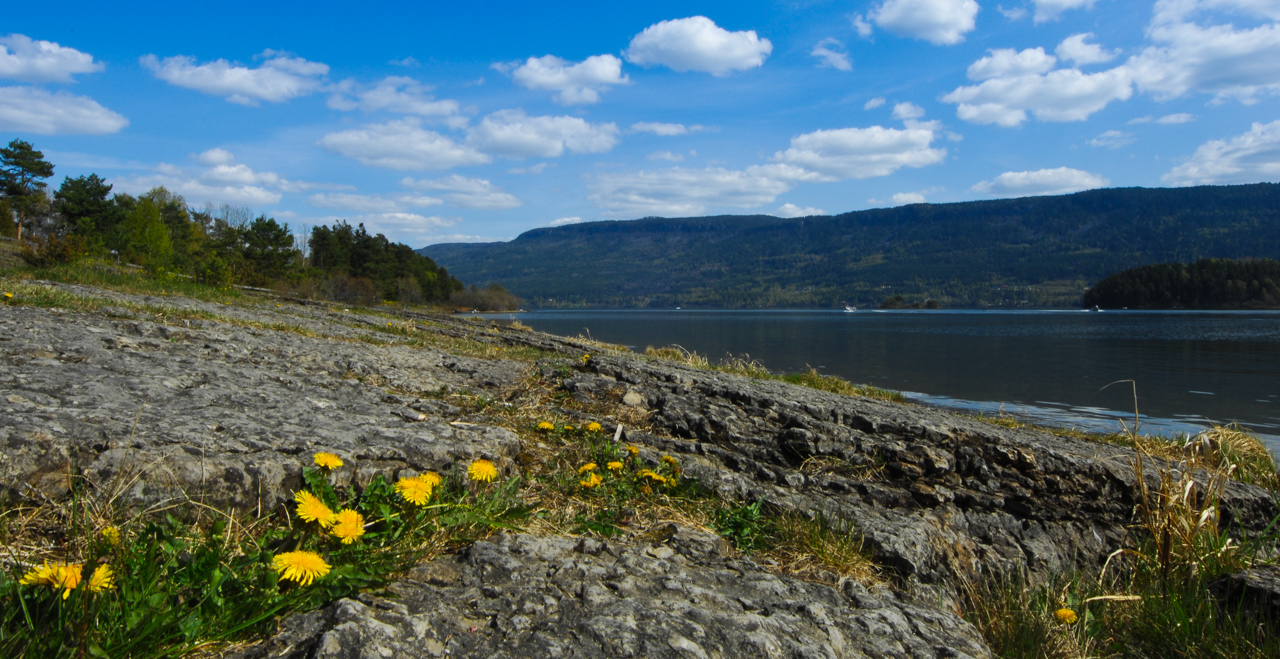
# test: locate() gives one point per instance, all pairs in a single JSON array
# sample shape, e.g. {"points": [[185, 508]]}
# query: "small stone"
{"points": [[661, 552]]}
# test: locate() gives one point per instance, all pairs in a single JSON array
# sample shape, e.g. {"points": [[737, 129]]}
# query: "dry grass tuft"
{"points": [[821, 550]]}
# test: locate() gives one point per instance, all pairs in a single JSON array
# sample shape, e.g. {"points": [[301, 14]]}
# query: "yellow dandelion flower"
{"points": [[593, 427], [111, 536], [328, 460], [8, 296], [593, 479], [669, 460], [57, 575], [300, 566], [482, 470], [101, 579], [546, 426], [414, 490], [653, 475], [586, 358], [568, 427], [590, 466], [41, 576], [1066, 616], [312, 509], [431, 477], [633, 450], [348, 526], [614, 466]]}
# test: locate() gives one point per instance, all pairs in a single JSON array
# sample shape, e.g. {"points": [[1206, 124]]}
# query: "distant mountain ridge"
{"points": [[1033, 251]]}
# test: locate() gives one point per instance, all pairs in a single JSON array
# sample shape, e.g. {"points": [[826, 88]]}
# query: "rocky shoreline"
{"points": [[226, 404]]}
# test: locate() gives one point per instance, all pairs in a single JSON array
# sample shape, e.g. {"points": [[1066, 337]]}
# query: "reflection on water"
{"points": [[1051, 367]]}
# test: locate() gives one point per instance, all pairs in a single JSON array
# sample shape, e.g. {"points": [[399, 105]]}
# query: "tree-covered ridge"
{"points": [[1205, 284], [218, 246], [1035, 251], [396, 270]]}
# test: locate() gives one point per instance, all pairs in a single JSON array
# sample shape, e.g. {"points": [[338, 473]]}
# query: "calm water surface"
{"points": [[1052, 367]]}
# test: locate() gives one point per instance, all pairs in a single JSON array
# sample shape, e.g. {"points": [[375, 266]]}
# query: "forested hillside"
{"points": [[1035, 251], [1205, 284], [157, 230]]}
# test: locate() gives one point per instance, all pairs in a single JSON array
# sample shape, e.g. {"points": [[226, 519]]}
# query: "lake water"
{"points": [[1050, 367]]}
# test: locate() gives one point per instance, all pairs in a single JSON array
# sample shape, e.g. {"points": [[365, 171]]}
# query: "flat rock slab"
{"points": [[223, 413], [525, 596]]}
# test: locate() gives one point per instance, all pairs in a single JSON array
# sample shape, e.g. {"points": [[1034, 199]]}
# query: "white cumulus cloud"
{"points": [[1007, 62], [467, 192], [196, 191], [1048, 10], [394, 94], [574, 84], [941, 22], [682, 191], [372, 203], [409, 228], [665, 130], [33, 110], [565, 220], [857, 153], [1013, 13], [279, 78], [28, 60], [216, 156], [513, 134], [666, 155], [698, 44], [1248, 158], [792, 210], [222, 180], [1255, 8], [402, 144], [830, 53], [1216, 59], [1112, 139], [1061, 95], [1077, 49], [907, 110], [1062, 180]]}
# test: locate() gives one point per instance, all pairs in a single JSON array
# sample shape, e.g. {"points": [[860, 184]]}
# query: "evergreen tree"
{"points": [[85, 209], [22, 174]]}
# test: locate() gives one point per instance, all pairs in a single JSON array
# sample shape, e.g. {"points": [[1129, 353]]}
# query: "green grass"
{"points": [[753, 369], [1131, 615], [1152, 598], [104, 274], [191, 577]]}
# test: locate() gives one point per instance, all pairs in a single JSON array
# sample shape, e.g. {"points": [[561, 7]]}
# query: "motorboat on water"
{"points": [[849, 309]]}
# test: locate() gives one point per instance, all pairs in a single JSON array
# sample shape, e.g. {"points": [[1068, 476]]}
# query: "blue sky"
{"points": [[434, 123]]}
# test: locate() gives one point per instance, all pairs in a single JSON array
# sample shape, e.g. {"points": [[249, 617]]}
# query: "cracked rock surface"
{"points": [[523, 596], [939, 497], [226, 414], [227, 407]]}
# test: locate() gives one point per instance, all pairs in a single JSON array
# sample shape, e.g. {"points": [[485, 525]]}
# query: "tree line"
{"points": [[1204, 284], [218, 246]]}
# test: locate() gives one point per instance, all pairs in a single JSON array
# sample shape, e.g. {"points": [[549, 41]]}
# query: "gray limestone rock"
{"points": [[224, 414], [523, 596], [228, 408]]}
